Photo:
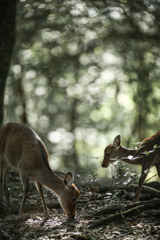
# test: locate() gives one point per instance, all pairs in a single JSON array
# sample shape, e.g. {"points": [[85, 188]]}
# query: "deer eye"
{"points": [[108, 154], [73, 199]]}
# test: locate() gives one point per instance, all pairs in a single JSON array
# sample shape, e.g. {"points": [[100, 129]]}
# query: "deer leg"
{"points": [[40, 190], [158, 169], [143, 176], [25, 181], [1, 188], [6, 192]]}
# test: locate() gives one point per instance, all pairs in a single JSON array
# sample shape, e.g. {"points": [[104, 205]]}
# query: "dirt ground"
{"points": [[144, 225]]}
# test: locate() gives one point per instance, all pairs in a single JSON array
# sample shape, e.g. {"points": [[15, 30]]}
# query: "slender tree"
{"points": [[7, 40]]}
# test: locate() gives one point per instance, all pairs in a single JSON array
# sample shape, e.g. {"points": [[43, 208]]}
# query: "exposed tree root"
{"points": [[145, 189], [132, 210], [114, 208]]}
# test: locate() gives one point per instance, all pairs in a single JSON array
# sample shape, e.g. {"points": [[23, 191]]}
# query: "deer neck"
{"points": [[53, 182], [125, 152]]}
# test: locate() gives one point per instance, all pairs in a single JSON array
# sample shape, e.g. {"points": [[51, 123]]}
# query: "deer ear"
{"points": [[68, 180], [117, 141]]}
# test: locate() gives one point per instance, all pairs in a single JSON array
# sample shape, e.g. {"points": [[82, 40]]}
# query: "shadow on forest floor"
{"points": [[97, 217]]}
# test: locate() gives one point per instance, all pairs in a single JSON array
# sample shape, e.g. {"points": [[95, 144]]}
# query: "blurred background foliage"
{"points": [[82, 73]]}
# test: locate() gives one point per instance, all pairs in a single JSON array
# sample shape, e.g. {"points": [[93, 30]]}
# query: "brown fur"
{"points": [[23, 150], [147, 155]]}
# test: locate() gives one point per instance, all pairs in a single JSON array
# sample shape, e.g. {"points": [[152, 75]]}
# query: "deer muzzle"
{"points": [[105, 165]]}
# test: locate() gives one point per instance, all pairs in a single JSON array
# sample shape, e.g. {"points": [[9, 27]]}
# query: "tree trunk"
{"points": [[7, 40]]}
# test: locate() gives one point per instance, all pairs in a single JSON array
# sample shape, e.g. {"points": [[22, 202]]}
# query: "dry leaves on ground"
{"points": [[144, 225]]}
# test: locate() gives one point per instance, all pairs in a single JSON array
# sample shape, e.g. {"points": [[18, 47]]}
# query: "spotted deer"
{"points": [[23, 150], [147, 155]]}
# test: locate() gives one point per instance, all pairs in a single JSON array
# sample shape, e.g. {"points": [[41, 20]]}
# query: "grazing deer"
{"points": [[23, 150], [147, 155]]}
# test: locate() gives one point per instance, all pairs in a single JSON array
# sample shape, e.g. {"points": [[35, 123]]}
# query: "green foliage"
{"points": [[84, 71], [123, 178], [91, 179]]}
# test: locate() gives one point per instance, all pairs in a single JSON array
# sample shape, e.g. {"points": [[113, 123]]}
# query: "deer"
{"points": [[22, 149], [147, 155]]}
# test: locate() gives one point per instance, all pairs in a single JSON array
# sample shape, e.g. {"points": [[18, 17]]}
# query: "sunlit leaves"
{"points": [[86, 65]]}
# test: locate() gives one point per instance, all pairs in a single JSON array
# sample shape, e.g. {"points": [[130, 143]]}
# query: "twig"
{"points": [[131, 212]]}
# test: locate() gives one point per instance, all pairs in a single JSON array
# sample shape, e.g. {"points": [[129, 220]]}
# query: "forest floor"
{"points": [[98, 217]]}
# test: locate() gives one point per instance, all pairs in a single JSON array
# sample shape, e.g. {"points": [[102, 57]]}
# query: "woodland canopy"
{"points": [[82, 72]]}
